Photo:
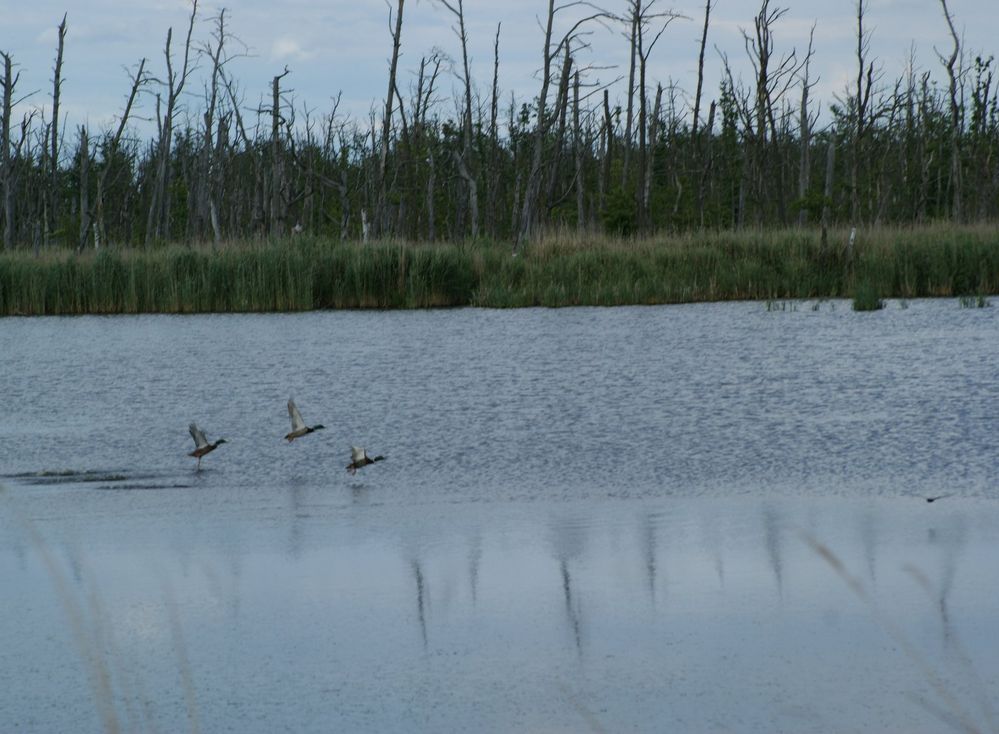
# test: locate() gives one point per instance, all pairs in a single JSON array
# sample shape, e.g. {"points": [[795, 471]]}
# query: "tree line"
{"points": [[482, 164]]}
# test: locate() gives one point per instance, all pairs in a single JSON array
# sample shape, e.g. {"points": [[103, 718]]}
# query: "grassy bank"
{"points": [[558, 270]]}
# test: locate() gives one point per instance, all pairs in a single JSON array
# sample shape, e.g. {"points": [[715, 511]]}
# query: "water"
{"points": [[689, 518]]}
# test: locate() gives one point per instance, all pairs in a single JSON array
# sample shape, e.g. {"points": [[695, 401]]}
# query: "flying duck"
{"points": [[298, 427], [201, 445], [359, 458]]}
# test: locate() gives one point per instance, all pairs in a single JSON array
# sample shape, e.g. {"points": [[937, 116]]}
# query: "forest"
{"points": [[908, 151]]}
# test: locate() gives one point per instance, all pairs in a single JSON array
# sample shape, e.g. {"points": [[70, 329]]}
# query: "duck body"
{"points": [[302, 432], [298, 427], [359, 458], [201, 444]]}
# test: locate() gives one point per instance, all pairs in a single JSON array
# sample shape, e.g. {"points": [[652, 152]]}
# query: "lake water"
{"points": [[686, 518]]}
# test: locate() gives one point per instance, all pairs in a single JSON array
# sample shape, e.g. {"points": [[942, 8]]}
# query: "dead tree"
{"points": [[867, 77], [426, 82], [381, 218], [983, 140], [805, 134], [159, 207], [650, 156], [8, 85], [543, 121], [950, 63], [276, 206], [53, 197], [774, 77], [208, 184], [634, 15], [707, 163], [84, 155], [467, 168], [257, 197], [94, 218], [558, 140], [699, 147], [607, 132], [577, 144], [493, 178], [643, 50], [700, 71]]}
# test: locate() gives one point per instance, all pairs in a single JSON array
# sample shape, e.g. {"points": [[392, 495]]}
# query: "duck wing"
{"points": [[356, 455], [198, 435], [297, 424]]}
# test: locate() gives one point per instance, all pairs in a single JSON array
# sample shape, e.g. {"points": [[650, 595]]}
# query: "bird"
{"points": [[359, 458], [201, 445], [938, 497], [298, 427]]}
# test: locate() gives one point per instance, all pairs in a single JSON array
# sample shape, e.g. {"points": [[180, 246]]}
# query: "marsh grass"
{"points": [[866, 297], [978, 301], [559, 268]]}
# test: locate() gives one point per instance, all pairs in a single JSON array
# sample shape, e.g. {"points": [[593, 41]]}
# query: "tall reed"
{"points": [[558, 269]]}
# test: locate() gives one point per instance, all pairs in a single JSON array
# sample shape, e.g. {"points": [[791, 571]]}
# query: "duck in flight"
{"points": [[359, 458], [201, 444], [298, 427]]}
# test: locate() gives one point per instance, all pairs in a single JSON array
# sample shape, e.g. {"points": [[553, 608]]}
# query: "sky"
{"points": [[343, 46]]}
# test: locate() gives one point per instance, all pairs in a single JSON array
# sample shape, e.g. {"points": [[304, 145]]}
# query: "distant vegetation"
{"points": [[564, 269], [668, 194], [450, 158]]}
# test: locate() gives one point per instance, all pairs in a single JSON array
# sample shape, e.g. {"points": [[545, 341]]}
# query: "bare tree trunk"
{"points": [[517, 147], [864, 85], [605, 169], [84, 189], [560, 113], [52, 217], [651, 157], [644, 52], [152, 218], [494, 174], [532, 188], [700, 70], [208, 184], [6, 163], [642, 120], [706, 165], [277, 198], [257, 206], [774, 75], [466, 166], [541, 127], [380, 208], [577, 139], [805, 135], [764, 48], [157, 221], [635, 8], [955, 117]]}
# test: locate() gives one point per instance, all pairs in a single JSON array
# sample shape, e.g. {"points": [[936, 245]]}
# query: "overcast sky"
{"points": [[343, 45]]}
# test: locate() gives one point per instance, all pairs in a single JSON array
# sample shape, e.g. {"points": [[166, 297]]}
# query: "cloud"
{"points": [[287, 48]]}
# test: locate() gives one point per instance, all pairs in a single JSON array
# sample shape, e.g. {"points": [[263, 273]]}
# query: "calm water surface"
{"points": [[688, 518]]}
